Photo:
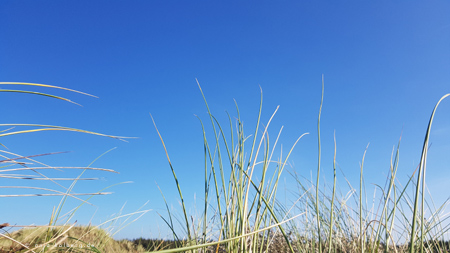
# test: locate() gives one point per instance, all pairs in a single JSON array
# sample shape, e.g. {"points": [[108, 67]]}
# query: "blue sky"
{"points": [[385, 65]]}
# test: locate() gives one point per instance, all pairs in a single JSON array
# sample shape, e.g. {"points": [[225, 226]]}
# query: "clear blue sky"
{"points": [[385, 64]]}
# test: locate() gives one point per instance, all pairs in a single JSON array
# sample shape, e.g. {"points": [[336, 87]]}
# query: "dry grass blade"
{"points": [[58, 168], [41, 94], [12, 239], [47, 178], [27, 157], [56, 194], [45, 189], [56, 128], [47, 86]]}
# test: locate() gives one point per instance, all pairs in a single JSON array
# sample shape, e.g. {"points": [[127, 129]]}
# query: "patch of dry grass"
{"points": [[76, 239]]}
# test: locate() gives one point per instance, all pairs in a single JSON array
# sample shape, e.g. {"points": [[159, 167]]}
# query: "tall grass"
{"points": [[245, 209], [355, 228], [241, 213]]}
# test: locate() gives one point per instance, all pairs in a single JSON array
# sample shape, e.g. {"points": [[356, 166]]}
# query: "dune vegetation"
{"points": [[241, 212]]}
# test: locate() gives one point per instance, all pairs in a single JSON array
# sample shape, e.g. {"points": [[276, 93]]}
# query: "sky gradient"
{"points": [[385, 65]]}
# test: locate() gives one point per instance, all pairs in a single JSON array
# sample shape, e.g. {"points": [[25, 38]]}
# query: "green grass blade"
{"points": [[423, 160], [176, 182], [318, 169]]}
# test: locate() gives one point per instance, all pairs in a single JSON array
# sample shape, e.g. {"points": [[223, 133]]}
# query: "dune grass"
{"points": [[244, 208], [241, 213], [66, 239]]}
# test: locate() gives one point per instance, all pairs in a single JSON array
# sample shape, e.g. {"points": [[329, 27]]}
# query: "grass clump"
{"points": [[66, 239], [240, 209], [241, 212]]}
